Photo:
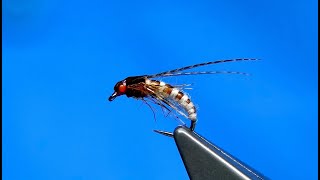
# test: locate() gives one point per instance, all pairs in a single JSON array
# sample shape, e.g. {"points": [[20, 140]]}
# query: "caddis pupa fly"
{"points": [[165, 95]]}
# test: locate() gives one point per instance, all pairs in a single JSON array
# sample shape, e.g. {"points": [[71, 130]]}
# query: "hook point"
{"points": [[165, 133]]}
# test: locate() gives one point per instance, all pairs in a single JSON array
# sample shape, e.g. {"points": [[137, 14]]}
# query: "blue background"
{"points": [[61, 60]]}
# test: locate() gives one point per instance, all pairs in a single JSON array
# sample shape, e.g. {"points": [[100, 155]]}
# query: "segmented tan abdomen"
{"points": [[168, 91]]}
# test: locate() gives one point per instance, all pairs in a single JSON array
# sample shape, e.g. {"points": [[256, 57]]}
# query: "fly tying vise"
{"points": [[165, 95]]}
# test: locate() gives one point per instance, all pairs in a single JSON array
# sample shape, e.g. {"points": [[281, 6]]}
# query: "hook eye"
{"points": [[113, 96]]}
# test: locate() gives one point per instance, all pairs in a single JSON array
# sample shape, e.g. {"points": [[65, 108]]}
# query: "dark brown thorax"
{"points": [[132, 86]]}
